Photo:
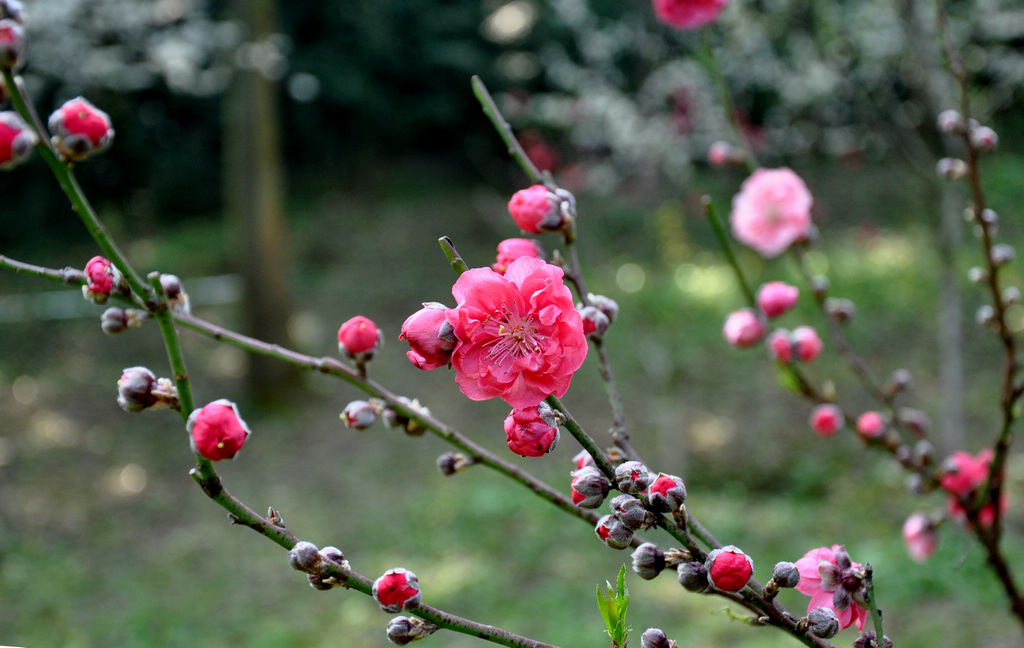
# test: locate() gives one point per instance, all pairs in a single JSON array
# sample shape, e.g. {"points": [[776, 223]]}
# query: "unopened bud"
{"points": [[915, 420], [405, 630], [924, 452], [630, 511], [822, 622], [135, 389], [397, 589], [648, 561], [1002, 254], [984, 138], [360, 415], [589, 487], [819, 286], [12, 43], [899, 381], [606, 305], [632, 477], [989, 217], [304, 556], [951, 168], [868, 640], [693, 576], [666, 493], [785, 574], [985, 314], [393, 418], [729, 569], [1011, 295], [655, 638], [80, 129], [452, 462], [16, 138], [950, 121], [613, 532], [841, 310], [977, 275], [595, 323]]}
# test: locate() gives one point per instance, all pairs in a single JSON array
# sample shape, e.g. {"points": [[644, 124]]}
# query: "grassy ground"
{"points": [[104, 541]]}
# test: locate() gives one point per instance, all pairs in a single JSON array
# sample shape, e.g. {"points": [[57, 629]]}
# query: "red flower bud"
{"points": [[826, 420], [806, 343], [359, 338], [531, 431], [80, 129], [16, 139], [729, 569], [430, 336], [666, 493], [397, 589], [216, 430], [12, 43], [103, 279], [776, 297], [613, 532], [632, 477], [537, 210]]}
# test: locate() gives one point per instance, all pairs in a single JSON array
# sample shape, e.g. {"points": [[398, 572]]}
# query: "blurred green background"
{"points": [[105, 541]]}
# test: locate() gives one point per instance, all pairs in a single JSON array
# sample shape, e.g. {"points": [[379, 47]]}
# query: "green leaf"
{"points": [[613, 604]]}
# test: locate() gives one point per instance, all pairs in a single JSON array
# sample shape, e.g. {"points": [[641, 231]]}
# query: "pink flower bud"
{"points": [[949, 121], [135, 389], [721, 154], [729, 569], [630, 511], [826, 419], [920, 537], [103, 279], [511, 249], [12, 43], [396, 590], [606, 305], [531, 431], [613, 532], [536, 210], [595, 322], [80, 129], [359, 415], [951, 168], [359, 338], [780, 346], [806, 343], [743, 329], [984, 138], [870, 424], [632, 477], [776, 297], [582, 459], [666, 493], [217, 431], [688, 14], [589, 487], [16, 139], [430, 336]]}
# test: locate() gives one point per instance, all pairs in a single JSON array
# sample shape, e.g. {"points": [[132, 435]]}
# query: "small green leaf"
{"points": [[612, 604], [788, 380]]}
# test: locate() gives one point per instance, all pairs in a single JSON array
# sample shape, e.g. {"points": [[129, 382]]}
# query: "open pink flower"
{"points": [[688, 14], [519, 336], [833, 581], [964, 475], [771, 211]]}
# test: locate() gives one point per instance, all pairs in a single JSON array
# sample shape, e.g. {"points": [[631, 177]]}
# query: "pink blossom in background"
{"points": [[529, 433], [826, 419], [964, 475], [807, 344], [830, 578], [519, 336], [743, 328], [780, 346], [920, 537], [870, 424], [511, 249], [771, 211], [776, 297], [688, 14], [430, 337]]}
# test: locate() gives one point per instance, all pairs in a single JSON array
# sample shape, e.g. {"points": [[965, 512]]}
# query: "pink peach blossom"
{"points": [[870, 424], [511, 249], [776, 297], [780, 346], [826, 419], [771, 211], [806, 343], [833, 581], [519, 336], [964, 475], [743, 328], [688, 14], [920, 537]]}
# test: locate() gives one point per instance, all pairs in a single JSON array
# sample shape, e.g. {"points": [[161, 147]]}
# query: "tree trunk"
{"points": [[254, 192]]}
